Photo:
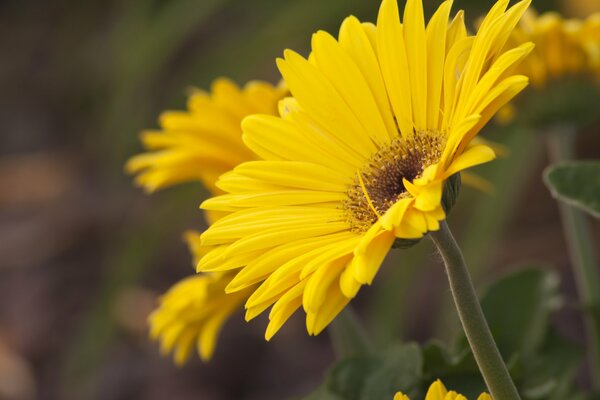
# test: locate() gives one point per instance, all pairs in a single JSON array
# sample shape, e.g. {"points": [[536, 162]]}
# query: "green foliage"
{"points": [[347, 334], [570, 101], [375, 376], [576, 183], [457, 370], [518, 308]]}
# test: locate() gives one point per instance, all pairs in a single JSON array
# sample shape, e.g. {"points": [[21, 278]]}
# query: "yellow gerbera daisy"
{"points": [[437, 391], [563, 47], [205, 141], [380, 118]]}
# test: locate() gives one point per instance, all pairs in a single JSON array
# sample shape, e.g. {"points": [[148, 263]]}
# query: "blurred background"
{"points": [[83, 254]]}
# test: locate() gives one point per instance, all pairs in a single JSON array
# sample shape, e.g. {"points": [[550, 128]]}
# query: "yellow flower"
{"points": [[581, 7], [437, 391], [380, 118], [563, 47], [205, 141], [590, 33], [199, 145], [192, 313]]}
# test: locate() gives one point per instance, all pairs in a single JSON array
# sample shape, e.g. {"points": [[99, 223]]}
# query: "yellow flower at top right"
{"points": [[563, 47]]}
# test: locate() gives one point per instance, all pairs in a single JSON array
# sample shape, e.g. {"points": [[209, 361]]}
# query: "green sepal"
{"points": [[450, 192]]}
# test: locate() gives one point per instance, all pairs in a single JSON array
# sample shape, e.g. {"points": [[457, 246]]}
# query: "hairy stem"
{"points": [[471, 316]]}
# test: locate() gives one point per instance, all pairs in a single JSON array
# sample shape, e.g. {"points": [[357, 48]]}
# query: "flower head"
{"points": [[437, 391], [205, 141], [191, 315], [579, 8], [564, 69], [380, 118], [563, 47]]}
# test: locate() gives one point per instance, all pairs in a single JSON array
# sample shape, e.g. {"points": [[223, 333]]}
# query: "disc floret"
{"points": [[380, 182]]}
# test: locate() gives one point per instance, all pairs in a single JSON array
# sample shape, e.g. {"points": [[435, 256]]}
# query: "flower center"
{"points": [[379, 183]]}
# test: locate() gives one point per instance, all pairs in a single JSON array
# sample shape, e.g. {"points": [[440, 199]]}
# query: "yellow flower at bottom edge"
{"points": [[380, 118], [437, 391], [205, 141]]}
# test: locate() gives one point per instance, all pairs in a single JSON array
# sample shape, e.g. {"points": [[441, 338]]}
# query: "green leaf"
{"points": [[322, 393], [517, 308], [347, 378], [457, 371], [401, 368], [374, 377], [576, 183], [348, 336], [551, 371]]}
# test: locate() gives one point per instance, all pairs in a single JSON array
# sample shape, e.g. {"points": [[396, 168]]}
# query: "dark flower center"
{"points": [[379, 183]]}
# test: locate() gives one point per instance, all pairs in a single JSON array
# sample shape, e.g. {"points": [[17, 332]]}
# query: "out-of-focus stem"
{"points": [[581, 251]]}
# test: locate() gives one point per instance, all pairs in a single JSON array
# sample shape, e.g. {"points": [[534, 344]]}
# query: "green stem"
{"points": [[561, 147], [471, 316], [348, 335]]}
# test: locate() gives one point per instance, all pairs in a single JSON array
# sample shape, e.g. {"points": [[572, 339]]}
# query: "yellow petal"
{"points": [[354, 38], [316, 322], [319, 97], [393, 216], [416, 54], [315, 293], [436, 53], [369, 260], [394, 64], [295, 174], [437, 391], [347, 79], [277, 139], [474, 155]]}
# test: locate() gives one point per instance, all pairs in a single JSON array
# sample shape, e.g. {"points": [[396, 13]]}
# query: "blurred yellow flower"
{"points": [[380, 119], [199, 145], [437, 391], [192, 313], [581, 8], [205, 141], [563, 47], [590, 37]]}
